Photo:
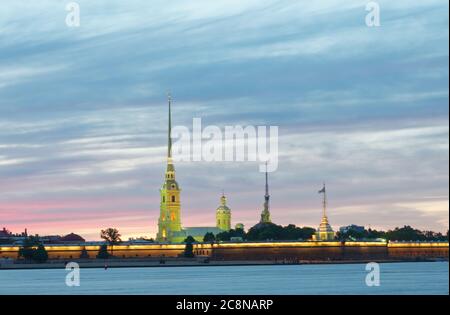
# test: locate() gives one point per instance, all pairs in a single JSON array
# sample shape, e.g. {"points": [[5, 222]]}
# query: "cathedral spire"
{"points": [[170, 173], [169, 223], [169, 142], [267, 196]]}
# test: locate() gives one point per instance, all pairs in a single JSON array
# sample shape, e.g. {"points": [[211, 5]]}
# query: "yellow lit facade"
{"points": [[223, 215], [170, 228], [268, 250], [170, 206]]}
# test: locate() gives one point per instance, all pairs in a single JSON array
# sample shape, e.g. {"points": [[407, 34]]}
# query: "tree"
{"points": [[189, 249], [374, 234], [84, 254], [227, 235], [30, 246], [306, 232], [209, 238], [112, 237], [266, 232], [103, 252], [405, 233], [270, 231], [40, 255]]}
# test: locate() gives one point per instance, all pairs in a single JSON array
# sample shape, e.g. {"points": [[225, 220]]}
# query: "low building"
{"points": [[5, 233], [50, 239], [7, 237], [72, 238], [239, 226]]}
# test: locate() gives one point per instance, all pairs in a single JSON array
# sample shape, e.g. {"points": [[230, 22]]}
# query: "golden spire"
{"points": [[169, 146], [223, 199]]}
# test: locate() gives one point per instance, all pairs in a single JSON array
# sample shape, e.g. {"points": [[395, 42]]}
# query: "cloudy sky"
{"points": [[83, 111]]}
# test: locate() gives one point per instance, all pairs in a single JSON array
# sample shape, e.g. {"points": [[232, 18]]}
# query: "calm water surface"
{"points": [[396, 278]]}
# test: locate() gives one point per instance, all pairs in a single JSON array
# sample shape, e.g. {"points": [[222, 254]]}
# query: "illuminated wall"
{"points": [[258, 251]]}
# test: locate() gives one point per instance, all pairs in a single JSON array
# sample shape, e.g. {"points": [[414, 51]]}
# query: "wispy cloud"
{"points": [[82, 110]]}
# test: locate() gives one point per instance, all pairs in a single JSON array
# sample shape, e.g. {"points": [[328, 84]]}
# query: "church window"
{"points": [[164, 199], [173, 198], [172, 216]]}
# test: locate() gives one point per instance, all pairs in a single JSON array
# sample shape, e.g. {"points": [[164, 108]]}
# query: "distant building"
{"points": [[140, 240], [239, 226], [72, 238], [50, 239], [352, 227], [7, 237], [5, 233]]}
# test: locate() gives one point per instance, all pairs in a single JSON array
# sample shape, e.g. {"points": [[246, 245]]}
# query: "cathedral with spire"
{"points": [[170, 228]]}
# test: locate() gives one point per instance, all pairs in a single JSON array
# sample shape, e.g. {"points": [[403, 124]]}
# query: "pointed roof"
{"points": [[265, 214], [169, 140], [170, 166], [267, 184], [223, 204], [324, 224]]}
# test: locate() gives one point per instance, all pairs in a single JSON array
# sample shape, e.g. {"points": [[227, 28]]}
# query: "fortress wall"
{"points": [[326, 253], [417, 252], [258, 251], [123, 251]]}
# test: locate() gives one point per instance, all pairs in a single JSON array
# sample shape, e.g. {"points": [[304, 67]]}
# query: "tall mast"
{"points": [[324, 202]]}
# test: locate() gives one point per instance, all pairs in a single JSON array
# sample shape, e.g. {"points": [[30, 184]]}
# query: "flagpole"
{"points": [[324, 200]]}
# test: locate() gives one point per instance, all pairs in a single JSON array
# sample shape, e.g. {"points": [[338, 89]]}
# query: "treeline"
{"points": [[267, 231], [273, 232], [33, 250], [406, 233]]}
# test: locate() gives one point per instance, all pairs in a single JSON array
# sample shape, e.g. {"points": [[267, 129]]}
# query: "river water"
{"points": [[395, 278]]}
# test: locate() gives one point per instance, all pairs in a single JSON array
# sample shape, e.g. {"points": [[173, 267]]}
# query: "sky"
{"points": [[83, 111]]}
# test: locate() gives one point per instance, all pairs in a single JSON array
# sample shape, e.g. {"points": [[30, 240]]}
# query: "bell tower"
{"points": [[170, 205], [223, 215]]}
